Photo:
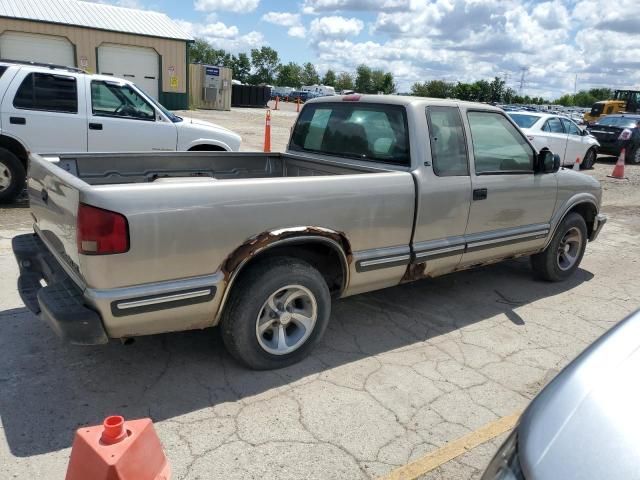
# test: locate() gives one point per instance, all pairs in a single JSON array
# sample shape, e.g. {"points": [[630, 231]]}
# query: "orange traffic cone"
{"points": [[298, 104], [267, 133], [618, 170], [576, 166], [277, 100], [118, 450]]}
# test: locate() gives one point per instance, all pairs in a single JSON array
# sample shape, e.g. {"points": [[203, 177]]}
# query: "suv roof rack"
{"points": [[51, 66]]}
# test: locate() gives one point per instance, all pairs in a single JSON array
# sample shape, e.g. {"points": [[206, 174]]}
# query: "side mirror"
{"points": [[549, 162]]}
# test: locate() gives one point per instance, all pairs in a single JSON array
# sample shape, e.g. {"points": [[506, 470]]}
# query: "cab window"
{"points": [[113, 100], [498, 146], [362, 131], [448, 147]]}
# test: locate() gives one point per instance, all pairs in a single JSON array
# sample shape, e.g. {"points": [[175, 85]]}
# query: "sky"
{"points": [[556, 44]]}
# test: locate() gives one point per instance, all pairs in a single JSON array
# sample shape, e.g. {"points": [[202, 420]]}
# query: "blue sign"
{"points": [[215, 71]]}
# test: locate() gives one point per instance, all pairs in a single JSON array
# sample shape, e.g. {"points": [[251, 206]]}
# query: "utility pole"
{"points": [[575, 85], [522, 79]]}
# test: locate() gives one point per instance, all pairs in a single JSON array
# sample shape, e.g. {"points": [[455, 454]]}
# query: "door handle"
{"points": [[480, 194], [18, 120], [95, 126]]}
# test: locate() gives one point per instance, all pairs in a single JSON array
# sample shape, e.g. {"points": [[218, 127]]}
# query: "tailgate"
{"points": [[54, 197]]}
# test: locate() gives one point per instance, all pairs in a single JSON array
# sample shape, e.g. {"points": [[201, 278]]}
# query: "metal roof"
{"points": [[94, 15]]}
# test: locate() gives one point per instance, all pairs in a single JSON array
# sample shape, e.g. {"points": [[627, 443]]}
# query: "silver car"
{"points": [[585, 424]]}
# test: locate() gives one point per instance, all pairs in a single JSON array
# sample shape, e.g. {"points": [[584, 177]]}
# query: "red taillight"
{"points": [[351, 98], [625, 135], [101, 232]]}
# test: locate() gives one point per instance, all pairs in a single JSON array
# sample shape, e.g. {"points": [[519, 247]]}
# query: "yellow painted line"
{"points": [[453, 449]]}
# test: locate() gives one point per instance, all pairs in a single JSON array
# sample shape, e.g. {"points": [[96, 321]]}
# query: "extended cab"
{"points": [[48, 109], [373, 191]]}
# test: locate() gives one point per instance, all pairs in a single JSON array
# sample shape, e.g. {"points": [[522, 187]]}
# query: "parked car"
{"points": [[560, 135], [297, 94], [614, 133], [584, 424], [50, 109], [259, 243]]}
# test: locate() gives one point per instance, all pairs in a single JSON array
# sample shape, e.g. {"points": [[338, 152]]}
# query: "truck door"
{"points": [[444, 193], [121, 119], [45, 111], [511, 206]]}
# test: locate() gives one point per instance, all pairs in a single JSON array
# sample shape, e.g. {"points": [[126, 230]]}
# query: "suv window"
{"points": [[448, 147], [113, 100], [49, 92], [553, 125], [498, 147], [570, 127], [350, 129]]}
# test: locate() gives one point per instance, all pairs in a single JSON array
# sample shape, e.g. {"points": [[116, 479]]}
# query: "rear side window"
{"points": [[448, 147], [553, 125], [570, 127], [350, 129], [49, 92], [524, 121]]}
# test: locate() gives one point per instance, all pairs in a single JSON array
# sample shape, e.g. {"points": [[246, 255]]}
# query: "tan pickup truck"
{"points": [[373, 191]]}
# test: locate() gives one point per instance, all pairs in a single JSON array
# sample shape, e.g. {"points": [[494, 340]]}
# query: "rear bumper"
{"points": [[598, 223], [60, 303]]}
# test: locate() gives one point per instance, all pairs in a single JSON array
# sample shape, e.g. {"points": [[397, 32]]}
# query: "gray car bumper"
{"points": [[598, 223]]}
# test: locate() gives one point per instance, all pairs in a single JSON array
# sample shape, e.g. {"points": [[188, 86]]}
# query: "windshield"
{"points": [[523, 120], [171, 116], [624, 122]]}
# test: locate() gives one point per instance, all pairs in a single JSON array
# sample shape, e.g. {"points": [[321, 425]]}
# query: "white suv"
{"points": [[51, 109]]}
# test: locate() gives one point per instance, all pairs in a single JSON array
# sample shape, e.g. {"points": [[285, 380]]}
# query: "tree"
{"points": [[496, 89], [289, 75], [329, 78], [363, 79], [241, 66], [433, 88], [201, 51], [344, 82], [265, 64], [382, 81], [309, 74]]}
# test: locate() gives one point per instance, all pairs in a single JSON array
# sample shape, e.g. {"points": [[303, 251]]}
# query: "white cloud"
{"points": [[239, 6], [297, 31], [335, 27], [222, 36], [282, 18], [317, 6]]}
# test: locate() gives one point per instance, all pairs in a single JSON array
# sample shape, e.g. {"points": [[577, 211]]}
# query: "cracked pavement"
{"points": [[400, 372]]}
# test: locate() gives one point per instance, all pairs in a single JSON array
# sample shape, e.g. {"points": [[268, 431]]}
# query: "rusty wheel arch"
{"points": [[257, 246]]}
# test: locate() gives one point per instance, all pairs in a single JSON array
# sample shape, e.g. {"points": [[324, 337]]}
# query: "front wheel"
{"points": [[276, 312], [564, 254], [589, 160], [634, 155]]}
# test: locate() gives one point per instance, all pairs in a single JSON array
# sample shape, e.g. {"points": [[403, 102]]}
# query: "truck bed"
{"points": [[109, 168]]}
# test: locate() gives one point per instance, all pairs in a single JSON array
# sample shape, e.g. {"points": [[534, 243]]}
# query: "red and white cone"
{"points": [[618, 170], [576, 166]]}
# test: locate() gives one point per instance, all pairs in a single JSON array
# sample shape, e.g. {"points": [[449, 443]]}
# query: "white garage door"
{"points": [[37, 48], [139, 65]]}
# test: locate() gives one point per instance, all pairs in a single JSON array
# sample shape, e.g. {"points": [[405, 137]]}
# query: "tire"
{"points": [[12, 176], [272, 282], [552, 265], [589, 159], [634, 155]]}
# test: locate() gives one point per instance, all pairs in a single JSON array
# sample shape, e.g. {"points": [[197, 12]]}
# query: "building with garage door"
{"points": [[147, 48]]}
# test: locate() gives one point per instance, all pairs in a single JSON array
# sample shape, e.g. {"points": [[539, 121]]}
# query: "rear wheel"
{"points": [[12, 176], [634, 155], [277, 312], [564, 254], [589, 159]]}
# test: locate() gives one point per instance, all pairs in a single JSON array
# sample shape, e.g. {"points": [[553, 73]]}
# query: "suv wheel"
{"points": [[589, 159], [276, 312], [12, 176], [564, 254], [635, 155]]}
